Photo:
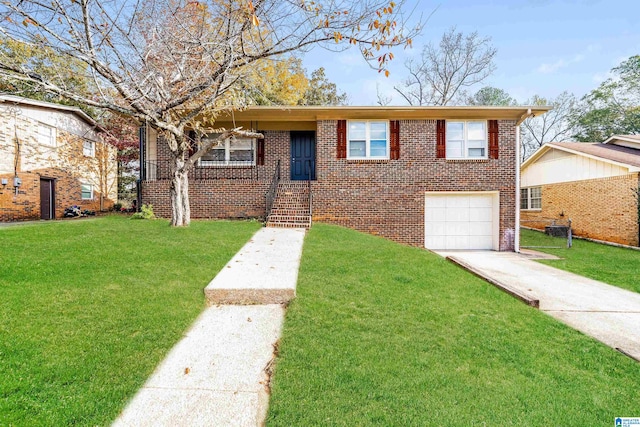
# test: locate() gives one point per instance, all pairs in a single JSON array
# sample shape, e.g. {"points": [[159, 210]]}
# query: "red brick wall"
{"points": [[387, 197], [379, 197], [602, 209], [224, 198], [25, 205]]}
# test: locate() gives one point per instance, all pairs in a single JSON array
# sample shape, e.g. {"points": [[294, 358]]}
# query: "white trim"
{"points": [[43, 104], [227, 162], [549, 145], [367, 142], [81, 192], [92, 152], [465, 148], [516, 246], [53, 134], [529, 198]]}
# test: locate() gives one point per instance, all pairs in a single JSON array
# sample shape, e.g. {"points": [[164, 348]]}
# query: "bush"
{"points": [[117, 206], [146, 212]]}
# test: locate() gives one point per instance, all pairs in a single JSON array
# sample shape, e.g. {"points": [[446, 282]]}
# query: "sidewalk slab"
{"points": [[604, 312], [215, 376], [219, 373], [264, 271]]}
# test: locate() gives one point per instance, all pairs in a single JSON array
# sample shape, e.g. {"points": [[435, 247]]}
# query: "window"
{"points": [[368, 140], [531, 198], [87, 191], [88, 148], [230, 152], [466, 139], [46, 135]]}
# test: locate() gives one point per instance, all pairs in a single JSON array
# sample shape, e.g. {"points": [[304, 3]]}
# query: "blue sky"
{"points": [[544, 47]]}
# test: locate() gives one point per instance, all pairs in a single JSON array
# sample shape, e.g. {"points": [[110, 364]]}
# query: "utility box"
{"points": [[17, 182]]}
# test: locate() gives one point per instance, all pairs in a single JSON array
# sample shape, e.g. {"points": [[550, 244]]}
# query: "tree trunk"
{"points": [[180, 211]]}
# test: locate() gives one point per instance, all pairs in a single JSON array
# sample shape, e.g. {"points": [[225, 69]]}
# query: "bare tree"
{"points": [[442, 71], [177, 64], [383, 99], [555, 125]]}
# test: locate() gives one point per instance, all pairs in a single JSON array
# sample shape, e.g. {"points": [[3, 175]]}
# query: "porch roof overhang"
{"points": [[313, 114]]}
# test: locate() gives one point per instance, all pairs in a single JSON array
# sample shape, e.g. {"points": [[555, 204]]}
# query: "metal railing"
{"points": [[161, 170], [273, 189], [309, 177]]}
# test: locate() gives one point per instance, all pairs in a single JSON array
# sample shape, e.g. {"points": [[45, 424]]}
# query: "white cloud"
{"points": [[547, 68]]}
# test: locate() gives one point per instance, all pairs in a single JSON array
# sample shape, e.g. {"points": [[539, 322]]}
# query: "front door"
{"points": [[303, 155], [47, 199]]}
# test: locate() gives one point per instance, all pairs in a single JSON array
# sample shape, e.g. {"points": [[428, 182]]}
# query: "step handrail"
{"points": [[308, 164], [273, 189]]}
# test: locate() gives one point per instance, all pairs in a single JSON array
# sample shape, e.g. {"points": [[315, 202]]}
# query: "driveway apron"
{"points": [[606, 313]]}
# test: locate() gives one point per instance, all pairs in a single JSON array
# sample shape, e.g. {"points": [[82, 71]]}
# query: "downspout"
{"points": [[518, 162], [142, 155]]}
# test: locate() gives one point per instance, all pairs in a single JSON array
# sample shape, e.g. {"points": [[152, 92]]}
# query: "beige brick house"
{"points": [[593, 184], [435, 177], [51, 157]]}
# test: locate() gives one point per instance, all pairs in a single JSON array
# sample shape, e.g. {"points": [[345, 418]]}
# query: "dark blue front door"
{"points": [[303, 155]]}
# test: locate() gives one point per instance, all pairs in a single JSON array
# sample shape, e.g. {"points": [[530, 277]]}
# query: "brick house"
{"points": [[435, 177], [593, 184], [51, 157]]}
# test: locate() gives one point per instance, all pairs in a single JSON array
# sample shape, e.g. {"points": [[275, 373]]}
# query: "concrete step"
{"points": [[287, 225], [264, 271], [288, 218]]}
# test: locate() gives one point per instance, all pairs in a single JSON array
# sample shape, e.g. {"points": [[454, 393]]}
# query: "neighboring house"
{"points": [[51, 157], [435, 177], [593, 184]]}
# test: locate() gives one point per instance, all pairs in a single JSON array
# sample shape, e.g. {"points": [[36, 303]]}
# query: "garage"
{"points": [[462, 220]]}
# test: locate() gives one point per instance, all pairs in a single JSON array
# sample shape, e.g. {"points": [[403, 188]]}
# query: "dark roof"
{"points": [[616, 153]]}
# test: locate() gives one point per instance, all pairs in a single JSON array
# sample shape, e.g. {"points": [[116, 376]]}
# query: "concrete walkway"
{"points": [[607, 313], [218, 374]]}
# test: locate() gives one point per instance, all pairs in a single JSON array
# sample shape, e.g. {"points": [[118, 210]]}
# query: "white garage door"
{"points": [[461, 221]]}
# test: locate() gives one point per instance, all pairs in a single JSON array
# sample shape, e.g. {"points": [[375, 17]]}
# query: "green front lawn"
{"points": [[613, 265], [89, 308], [383, 334]]}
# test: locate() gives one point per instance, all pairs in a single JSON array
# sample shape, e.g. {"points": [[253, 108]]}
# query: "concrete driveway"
{"points": [[607, 313]]}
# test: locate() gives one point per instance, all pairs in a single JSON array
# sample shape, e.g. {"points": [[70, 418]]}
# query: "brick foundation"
{"points": [[602, 209]]}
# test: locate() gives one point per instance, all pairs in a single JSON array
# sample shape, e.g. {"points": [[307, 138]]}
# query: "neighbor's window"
{"points": [[230, 152], [46, 135], [368, 140], [466, 139], [88, 148], [531, 198], [87, 191]]}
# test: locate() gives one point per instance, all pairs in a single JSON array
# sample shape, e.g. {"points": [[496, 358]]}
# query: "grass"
{"points": [[89, 308], [383, 334], [613, 265]]}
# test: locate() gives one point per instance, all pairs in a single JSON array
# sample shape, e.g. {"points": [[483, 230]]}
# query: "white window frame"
{"points": [[368, 140], [227, 155], [526, 199], [91, 151], [82, 185], [465, 142], [47, 138]]}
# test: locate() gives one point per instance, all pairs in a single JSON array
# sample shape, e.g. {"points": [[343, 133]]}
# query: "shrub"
{"points": [[117, 206], [146, 212]]}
